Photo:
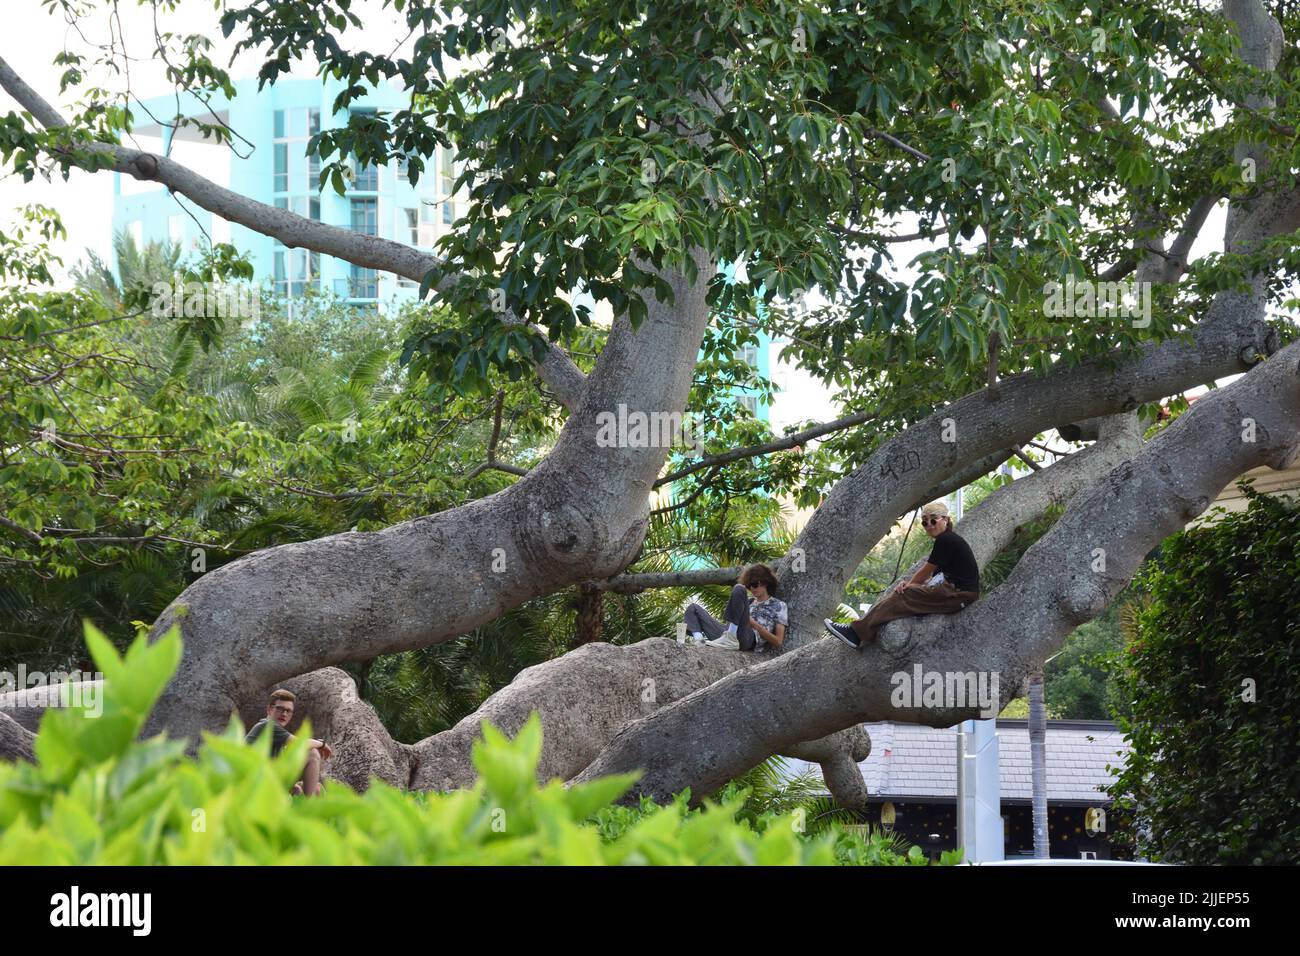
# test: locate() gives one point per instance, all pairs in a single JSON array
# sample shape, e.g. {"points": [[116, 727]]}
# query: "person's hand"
{"points": [[753, 624], [903, 585], [325, 751]]}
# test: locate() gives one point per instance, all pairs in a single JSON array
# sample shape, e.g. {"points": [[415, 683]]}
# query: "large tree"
{"points": [[628, 150]]}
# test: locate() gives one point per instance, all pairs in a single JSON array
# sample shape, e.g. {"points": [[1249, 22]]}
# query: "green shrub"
{"points": [[1211, 678], [97, 795]]}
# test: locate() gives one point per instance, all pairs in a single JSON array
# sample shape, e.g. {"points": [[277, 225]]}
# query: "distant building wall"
{"points": [[277, 122]]}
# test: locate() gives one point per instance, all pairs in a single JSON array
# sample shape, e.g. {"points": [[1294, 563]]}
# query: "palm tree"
{"points": [[137, 268]]}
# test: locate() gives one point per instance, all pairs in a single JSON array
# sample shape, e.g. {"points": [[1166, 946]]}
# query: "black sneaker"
{"points": [[844, 632]]}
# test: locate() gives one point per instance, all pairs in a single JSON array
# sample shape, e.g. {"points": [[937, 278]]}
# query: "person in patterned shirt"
{"points": [[755, 620]]}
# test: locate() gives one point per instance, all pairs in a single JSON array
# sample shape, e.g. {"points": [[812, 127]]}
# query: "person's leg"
{"points": [[915, 601], [941, 599], [737, 613], [888, 609], [700, 621], [311, 775]]}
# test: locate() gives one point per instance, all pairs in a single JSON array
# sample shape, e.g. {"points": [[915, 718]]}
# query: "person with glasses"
{"points": [[278, 714], [754, 619], [947, 582]]}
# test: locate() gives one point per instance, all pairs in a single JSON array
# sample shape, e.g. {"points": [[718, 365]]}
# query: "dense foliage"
{"points": [[1211, 682], [99, 796], [137, 453], [600, 141]]}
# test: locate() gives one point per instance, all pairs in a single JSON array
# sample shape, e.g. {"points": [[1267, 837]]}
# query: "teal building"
{"points": [[268, 163]]}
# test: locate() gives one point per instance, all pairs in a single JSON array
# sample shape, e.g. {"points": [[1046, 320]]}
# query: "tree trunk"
{"points": [[581, 513], [590, 619]]}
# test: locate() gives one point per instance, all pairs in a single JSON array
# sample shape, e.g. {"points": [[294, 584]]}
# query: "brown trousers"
{"points": [[916, 600]]}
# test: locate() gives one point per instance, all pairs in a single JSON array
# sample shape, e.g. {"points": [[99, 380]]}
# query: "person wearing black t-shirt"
{"points": [[947, 582]]}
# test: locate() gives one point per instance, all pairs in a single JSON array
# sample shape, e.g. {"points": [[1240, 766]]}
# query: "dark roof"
{"points": [[912, 762]]}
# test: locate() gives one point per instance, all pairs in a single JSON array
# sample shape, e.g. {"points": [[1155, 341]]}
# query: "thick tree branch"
{"points": [[16, 743], [645, 581], [904, 471], [582, 512], [1065, 579]]}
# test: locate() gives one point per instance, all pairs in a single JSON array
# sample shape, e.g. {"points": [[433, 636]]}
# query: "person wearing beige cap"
{"points": [[947, 582]]}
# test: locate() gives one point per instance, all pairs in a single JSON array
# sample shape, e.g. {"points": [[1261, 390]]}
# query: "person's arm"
{"points": [[773, 637], [925, 573], [312, 744]]}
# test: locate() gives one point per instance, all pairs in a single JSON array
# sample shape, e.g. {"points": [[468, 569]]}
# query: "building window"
{"points": [[748, 354], [295, 270], [366, 178], [448, 170], [411, 224], [281, 167], [306, 206], [176, 229], [364, 284], [365, 216], [749, 403], [293, 129]]}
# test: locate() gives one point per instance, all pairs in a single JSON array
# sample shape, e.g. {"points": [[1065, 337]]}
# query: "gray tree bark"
{"points": [[291, 611], [16, 742], [1066, 578], [583, 511]]}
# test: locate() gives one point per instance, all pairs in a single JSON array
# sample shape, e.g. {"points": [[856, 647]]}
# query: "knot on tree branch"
{"points": [[145, 166], [1263, 341], [895, 638], [560, 533], [1084, 598]]}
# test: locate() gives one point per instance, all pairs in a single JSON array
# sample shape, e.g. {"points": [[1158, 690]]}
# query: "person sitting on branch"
{"points": [[754, 619], [947, 582]]}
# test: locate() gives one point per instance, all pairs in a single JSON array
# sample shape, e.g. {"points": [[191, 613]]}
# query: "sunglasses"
{"points": [[926, 522]]}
